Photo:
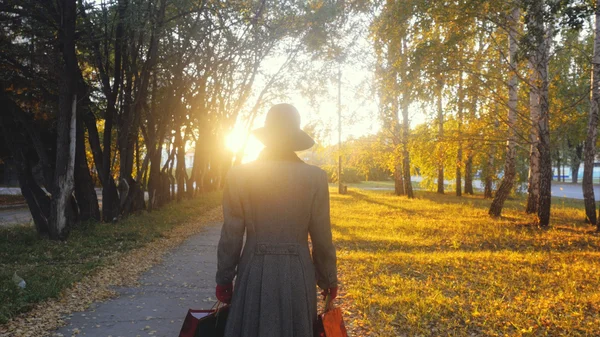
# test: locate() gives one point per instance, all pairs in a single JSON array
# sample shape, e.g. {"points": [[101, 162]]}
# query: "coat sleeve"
{"points": [[232, 233], [323, 251]]}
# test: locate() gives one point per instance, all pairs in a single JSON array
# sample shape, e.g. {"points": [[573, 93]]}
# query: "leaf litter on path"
{"points": [[123, 269]]}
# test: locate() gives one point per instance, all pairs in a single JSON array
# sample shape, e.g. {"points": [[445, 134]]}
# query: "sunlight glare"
{"points": [[235, 142]]}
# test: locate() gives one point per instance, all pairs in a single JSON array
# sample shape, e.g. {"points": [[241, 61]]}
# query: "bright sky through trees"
{"points": [[360, 104]]}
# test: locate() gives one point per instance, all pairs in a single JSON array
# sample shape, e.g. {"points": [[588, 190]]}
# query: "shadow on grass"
{"points": [[49, 266], [363, 197], [508, 233], [449, 245]]}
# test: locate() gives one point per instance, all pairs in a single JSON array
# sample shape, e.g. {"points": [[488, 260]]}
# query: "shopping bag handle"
{"points": [[328, 303]]}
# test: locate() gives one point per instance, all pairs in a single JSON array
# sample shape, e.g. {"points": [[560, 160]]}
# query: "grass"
{"points": [[373, 184], [440, 266], [49, 267]]}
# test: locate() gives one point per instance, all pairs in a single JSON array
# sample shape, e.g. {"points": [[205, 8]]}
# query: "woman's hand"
{"points": [[332, 292], [224, 292]]}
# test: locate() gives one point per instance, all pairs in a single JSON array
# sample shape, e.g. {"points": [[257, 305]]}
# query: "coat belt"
{"points": [[277, 249]]}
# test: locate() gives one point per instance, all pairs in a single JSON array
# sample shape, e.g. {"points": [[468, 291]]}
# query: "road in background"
{"points": [[562, 190], [20, 215]]}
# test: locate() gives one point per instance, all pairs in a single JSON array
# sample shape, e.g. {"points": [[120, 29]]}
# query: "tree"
{"points": [[541, 39], [533, 188], [506, 185], [592, 131], [136, 80], [392, 32]]}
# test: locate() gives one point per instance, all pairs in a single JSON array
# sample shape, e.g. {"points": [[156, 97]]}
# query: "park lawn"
{"points": [[49, 267], [439, 266], [372, 184]]}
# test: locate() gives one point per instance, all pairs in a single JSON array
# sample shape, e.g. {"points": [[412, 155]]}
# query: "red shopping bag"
{"points": [[330, 323], [205, 323]]}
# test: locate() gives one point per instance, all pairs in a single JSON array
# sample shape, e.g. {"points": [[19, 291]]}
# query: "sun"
{"points": [[235, 142]]}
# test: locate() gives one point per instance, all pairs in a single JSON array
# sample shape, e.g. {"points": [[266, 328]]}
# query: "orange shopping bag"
{"points": [[331, 323]]}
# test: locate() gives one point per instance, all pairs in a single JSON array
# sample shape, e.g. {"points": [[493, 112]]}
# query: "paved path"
{"points": [[184, 280], [12, 216], [20, 215]]}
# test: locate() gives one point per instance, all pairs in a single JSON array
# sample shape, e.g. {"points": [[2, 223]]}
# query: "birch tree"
{"points": [[533, 188], [592, 131], [541, 39], [507, 182], [62, 214]]}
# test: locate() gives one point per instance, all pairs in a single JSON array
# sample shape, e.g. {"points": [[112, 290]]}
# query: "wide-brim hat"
{"points": [[282, 130]]}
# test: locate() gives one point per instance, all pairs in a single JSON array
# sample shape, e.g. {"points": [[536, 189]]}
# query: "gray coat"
{"points": [[277, 204]]}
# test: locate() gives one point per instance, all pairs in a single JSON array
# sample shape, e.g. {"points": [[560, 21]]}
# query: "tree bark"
{"points": [[20, 146], [180, 169], [533, 186], [543, 51], [589, 155], [408, 190], [575, 161], [469, 173], [507, 183], [62, 214], [102, 154], [441, 154], [129, 128], [85, 193], [459, 155], [470, 147], [398, 180], [38, 201]]}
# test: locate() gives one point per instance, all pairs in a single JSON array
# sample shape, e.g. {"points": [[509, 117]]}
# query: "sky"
{"points": [[360, 110]]}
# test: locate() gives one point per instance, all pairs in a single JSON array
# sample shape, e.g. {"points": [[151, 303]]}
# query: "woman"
{"points": [[276, 201]]}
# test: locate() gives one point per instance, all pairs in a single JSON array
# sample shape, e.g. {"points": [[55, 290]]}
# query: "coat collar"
{"points": [[278, 155]]}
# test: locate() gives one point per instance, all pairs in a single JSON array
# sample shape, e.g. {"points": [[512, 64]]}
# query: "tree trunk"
{"points": [[469, 173], [543, 58], [19, 146], [506, 185], [589, 154], [38, 201], [180, 169], [110, 198], [440, 111], [405, 131], [132, 111], [398, 180], [62, 215], [102, 154], [558, 165], [459, 155], [470, 148], [533, 181], [576, 162], [154, 179], [488, 192], [190, 189], [85, 193]]}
